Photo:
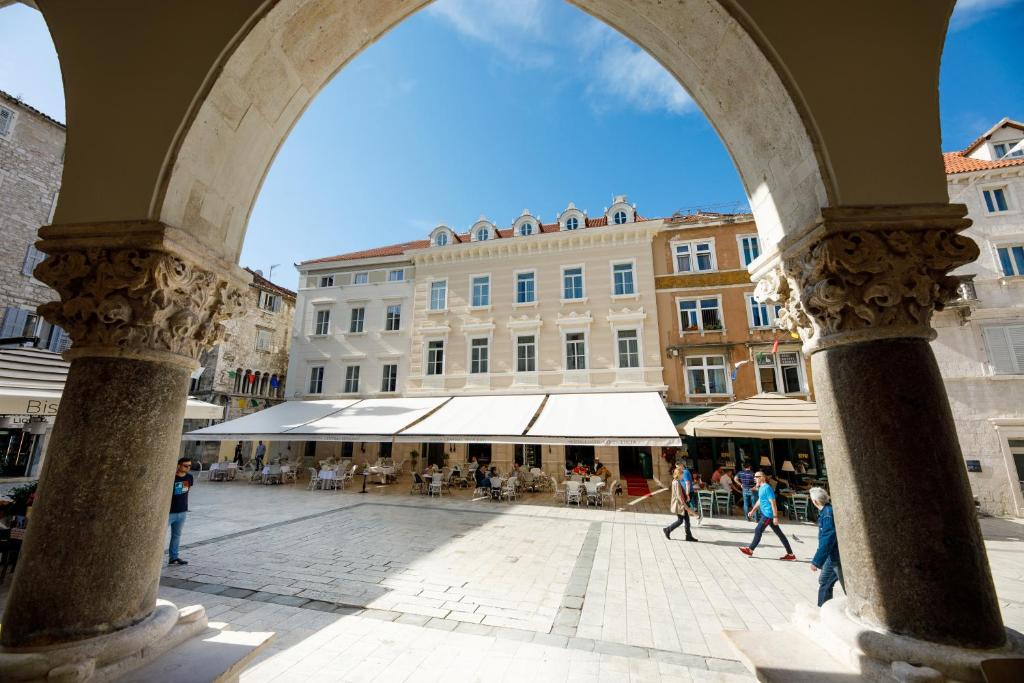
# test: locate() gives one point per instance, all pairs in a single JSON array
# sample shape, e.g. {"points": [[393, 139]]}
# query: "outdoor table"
{"points": [[324, 476]]}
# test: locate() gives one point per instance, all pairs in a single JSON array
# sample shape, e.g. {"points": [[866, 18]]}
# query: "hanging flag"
{"points": [[241, 404], [253, 403], [231, 374], [273, 382], [775, 346], [736, 368], [252, 378]]}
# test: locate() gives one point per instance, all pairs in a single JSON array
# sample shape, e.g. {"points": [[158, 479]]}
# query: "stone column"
{"points": [[860, 289], [140, 303]]}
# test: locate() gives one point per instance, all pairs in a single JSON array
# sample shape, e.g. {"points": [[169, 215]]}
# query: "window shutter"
{"points": [[59, 341], [33, 257], [999, 354], [14, 322], [1016, 338], [6, 116]]}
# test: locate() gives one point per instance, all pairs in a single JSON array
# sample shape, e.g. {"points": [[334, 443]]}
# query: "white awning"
{"points": [[374, 419], [477, 419], [607, 419], [269, 424], [764, 416], [32, 380]]}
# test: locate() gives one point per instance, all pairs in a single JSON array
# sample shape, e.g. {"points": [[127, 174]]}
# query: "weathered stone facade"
{"points": [[31, 163]]}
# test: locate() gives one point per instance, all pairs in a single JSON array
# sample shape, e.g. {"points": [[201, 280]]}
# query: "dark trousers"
{"points": [[767, 522], [829, 574], [680, 520]]}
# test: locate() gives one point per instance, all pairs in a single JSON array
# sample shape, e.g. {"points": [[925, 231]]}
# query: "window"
{"points": [[356, 322], [575, 351], [1004, 149], [441, 239], [622, 274], [571, 223], [699, 315], [393, 318], [438, 295], [269, 302], [995, 200], [33, 257], [323, 321], [326, 281], [779, 373], [694, 257], [1011, 259], [526, 229], [750, 249], [762, 315], [389, 378], [526, 354], [352, 379], [1005, 345], [481, 291], [6, 117], [483, 234], [316, 380], [264, 340], [525, 292], [705, 375], [629, 349], [479, 355], [435, 357], [397, 275], [619, 218], [360, 278], [572, 283]]}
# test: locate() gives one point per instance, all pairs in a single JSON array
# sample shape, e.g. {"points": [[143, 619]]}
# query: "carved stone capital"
{"points": [[137, 290], [868, 273]]}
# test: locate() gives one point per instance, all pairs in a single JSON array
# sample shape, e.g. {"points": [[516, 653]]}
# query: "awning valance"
{"points": [[605, 419], [764, 416]]}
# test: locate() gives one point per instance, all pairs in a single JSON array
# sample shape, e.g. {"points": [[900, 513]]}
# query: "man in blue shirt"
{"points": [[827, 557], [745, 478], [769, 517]]}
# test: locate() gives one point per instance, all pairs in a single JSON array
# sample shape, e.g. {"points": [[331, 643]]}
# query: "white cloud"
{"points": [[514, 29], [968, 12]]}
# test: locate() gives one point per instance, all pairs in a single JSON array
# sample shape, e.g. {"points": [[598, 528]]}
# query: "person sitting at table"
{"points": [[716, 475], [603, 472], [580, 469], [725, 480], [515, 470], [482, 480]]}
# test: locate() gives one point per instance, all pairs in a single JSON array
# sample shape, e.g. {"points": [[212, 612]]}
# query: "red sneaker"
{"points": [[747, 551], [788, 557]]}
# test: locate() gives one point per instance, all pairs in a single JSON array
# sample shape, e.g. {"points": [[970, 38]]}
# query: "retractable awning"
{"points": [[764, 416], [32, 380], [598, 419]]}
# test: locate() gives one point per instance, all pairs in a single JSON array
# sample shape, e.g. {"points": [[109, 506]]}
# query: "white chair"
{"points": [[510, 489], [496, 483], [573, 492], [232, 471], [213, 474], [608, 493], [314, 481], [593, 493], [436, 485], [559, 493]]}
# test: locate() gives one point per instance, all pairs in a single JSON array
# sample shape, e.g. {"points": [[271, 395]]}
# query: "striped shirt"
{"points": [[746, 479]]}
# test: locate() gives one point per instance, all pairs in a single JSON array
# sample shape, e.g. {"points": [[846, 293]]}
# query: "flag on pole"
{"points": [[274, 382], [775, 346], [736, 368]]}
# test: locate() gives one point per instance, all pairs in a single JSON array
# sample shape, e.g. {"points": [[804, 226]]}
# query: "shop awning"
{"points": [[598, 419], [31, 382], [477, 419], [604, 419], [764, 416]]}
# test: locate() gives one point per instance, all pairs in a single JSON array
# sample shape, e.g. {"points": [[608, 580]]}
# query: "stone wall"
{"points": [[31, 162]]}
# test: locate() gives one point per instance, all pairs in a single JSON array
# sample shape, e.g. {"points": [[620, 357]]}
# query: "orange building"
{"points": [[720, 344]]}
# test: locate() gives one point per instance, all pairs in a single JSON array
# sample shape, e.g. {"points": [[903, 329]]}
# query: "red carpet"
{"points": [[636, 486]]}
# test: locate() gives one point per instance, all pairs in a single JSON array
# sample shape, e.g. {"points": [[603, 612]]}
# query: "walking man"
{"points": [[745, 477], [678, 507], [238, 454], [826, 558], [179, 508], [261, 450], [769, 518]]}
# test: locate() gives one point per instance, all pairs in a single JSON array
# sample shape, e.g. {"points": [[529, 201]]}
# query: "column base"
{"points": [[827, 644], [106, 657]]}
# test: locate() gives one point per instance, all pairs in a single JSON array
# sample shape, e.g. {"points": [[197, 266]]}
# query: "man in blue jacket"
{"points": [[826, 558]]}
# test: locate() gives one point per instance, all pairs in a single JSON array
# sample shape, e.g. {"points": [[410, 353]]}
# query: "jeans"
{"points": [[829, 574], [749, 500], [680, 520], [767, 522], [177, 523]]}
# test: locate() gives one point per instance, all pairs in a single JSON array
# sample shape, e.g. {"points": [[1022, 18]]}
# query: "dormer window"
{"points": [[619, 218], [441, 239], [482, 235], [1006, 149], [572, 223], [526, 229]]}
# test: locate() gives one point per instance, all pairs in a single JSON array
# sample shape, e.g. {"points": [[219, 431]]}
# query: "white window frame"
{"points": [[706, 367], [515, 287], [470, 359], [357, 323], [632, 269], [400, 272], [472, 292], [485, 231], [269, 302], [326, 323], [325, 281], [639, 347], [1009, 246], [700, 318], [386, 381], [773, 313], [387, 317], [575, 226], [625, 217], [351, 385], [526, 224], [430, 296], [583, 283], [515, 352], [1008, 197], [426, 357], [319, 380], [739, 247], [1007, 145], [780, 379], [362, 273], [442, 234], [692, 246], [586, 348]]}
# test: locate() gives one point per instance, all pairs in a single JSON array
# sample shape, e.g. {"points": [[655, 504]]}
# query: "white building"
{"points": [[980, 344], [353, 314]]}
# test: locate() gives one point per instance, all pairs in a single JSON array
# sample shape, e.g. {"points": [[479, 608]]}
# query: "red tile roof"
{"points": [[1002, 123], [957, 162], [390, 250], [261, 282]]}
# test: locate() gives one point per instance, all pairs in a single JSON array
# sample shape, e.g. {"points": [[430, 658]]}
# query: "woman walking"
{"points": [[679, 506]]}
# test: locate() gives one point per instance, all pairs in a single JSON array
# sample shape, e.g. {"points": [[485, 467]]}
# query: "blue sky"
{"points": [[467, 110]]}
